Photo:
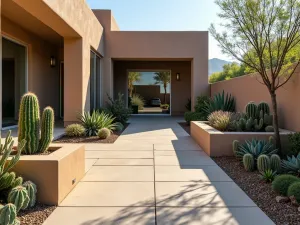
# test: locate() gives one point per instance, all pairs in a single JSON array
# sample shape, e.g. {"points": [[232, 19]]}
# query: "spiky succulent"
{"points": [[292, 164], [220, 102], [268, 175], [220, 120], [75, 130]]}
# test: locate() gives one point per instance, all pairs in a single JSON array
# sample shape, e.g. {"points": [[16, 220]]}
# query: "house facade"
{"points": [[73, 57]]}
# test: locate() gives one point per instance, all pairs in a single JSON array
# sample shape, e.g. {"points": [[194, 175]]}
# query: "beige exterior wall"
{"points": [[247, 88]]}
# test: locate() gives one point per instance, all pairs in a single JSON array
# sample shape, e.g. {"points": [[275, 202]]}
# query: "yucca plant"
{"points": [[256, 148], [292, 164], [220, 102], [95, 121], [220, 120], [268, 175]]}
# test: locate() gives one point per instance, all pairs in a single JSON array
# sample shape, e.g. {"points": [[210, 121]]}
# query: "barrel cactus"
{"points": [[248, 161], [31, 191], [29, 125], [19, 197], [8, 215], [275, 162], [263, 106], [251, 110], [263, 163], [235, 146], [104, 133]]}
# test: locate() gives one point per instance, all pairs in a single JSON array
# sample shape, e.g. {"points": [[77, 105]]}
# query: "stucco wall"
{"points": [[42, 79], [180, 90], [247, 88]]}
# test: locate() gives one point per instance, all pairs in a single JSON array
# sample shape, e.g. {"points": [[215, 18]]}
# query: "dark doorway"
{"points": [[61, 89]]}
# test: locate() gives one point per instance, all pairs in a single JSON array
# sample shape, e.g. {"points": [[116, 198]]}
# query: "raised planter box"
{"points": [[55, 174], [218, 143]]}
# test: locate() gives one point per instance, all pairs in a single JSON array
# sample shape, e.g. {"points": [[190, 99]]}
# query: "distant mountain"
{"points": [[216, 65]]}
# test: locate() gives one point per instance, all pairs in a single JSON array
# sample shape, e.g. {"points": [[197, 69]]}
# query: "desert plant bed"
{"points": [[92, 139], [259, 191], [36, 215]]}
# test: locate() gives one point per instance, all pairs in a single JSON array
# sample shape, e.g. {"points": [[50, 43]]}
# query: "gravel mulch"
{"points": [[36, 215], [186, 127], [260, 192], [94, 139]]}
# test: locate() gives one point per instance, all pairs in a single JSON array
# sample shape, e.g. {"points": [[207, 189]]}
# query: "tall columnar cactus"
{"points": [[275, 162], [235, 147], [248, 161], [250, 124], [258, 124], [31, 191], [8, 215], [29, 125], [19, 197], [263, 163], [251, 110], [17, 182], [263, 106], [241, 124]]}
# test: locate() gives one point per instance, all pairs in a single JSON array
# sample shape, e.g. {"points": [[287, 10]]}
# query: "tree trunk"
{"points": [[275, 122], [165, 97]]}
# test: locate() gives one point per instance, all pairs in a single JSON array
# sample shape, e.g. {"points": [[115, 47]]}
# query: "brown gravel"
{"points": [[36, 215], [186, 127], [260, 192], [94, 139]]}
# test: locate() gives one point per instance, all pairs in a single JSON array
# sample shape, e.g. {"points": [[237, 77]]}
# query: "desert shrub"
{"points": [[164, 106], [201, 104], [220, 102], [75, 130], [95, 121], [193, 116], [104, 133], [220, 120], [292, 164], [118, 109], [138, 100], [294, 144], [268, 175], [188, 105], [282, 182], [294, 190]]}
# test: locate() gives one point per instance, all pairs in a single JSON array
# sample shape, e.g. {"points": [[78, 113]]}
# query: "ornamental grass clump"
{"points": [[220, 120], [75, 130], [138, 100]]}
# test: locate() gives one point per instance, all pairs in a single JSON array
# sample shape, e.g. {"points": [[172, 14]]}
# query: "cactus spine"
{"points": [[19, 197], [263, 163], [251, 110], [235, 147], [31, 191], [275, 162], [263, 106], [29, 124], [8, 215], [248, 161]]}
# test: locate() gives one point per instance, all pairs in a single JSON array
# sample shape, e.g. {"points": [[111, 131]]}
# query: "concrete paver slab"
{"points": [[177, 147], [119, 147], [124, 162], [89, 163], [118, 154]]}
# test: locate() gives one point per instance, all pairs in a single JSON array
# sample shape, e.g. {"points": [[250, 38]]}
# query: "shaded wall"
{"points": [[181, 90], [247, 88], [43, 80]]}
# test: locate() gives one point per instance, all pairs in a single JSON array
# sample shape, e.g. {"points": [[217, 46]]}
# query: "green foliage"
{"points": [[294, 190], [292, 164], [75, 130], [95, 121], [248, 162], [264, 107], [29, 125], [19, 197], [275, 162], [163, 78], [230, 71], [132, 78], [117, 108], [220, 120], [188, 105], [31, 191], [193, 116], [201, 105], [251, 110], [268, 175], [282, 182], [256, 148], [294, 144], [220, 102], [235, 147], [164, 106], [137, 100], [8, 215], [7, 180], [104, 133], [263, 163], [269, 129]]}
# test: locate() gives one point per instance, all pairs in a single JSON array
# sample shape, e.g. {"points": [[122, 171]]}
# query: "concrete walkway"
{"points": [[155, 174]]}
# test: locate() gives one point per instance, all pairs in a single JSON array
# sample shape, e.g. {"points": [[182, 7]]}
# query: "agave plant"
{"points": [[256, 148], [292, 164], [95, 121], [220, 102], [268, 175]]}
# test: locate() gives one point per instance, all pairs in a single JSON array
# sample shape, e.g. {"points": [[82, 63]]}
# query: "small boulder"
{"points": [[282, 199], [294, 201]]}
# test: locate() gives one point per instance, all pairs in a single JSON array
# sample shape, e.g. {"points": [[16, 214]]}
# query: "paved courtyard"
{"points": [[155, 174]]}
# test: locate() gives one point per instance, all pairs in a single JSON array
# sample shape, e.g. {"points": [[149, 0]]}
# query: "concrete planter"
{"points": [[217, 143], [55, 174]]}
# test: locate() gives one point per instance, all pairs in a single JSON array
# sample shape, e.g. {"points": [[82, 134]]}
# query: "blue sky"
{"points": [[164, 15]]}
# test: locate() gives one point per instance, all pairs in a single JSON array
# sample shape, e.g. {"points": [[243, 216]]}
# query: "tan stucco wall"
{"points": [[42, 79], [247, 88], [180, 90]]}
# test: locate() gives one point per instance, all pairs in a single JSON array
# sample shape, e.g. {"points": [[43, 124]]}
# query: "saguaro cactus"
{"points": [[29, 125]]}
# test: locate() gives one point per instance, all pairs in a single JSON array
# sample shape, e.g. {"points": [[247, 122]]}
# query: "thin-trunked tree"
{"points": [[264, 36]]}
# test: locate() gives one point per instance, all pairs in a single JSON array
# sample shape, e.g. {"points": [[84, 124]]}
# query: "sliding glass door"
{"points": [[95, 82]]}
